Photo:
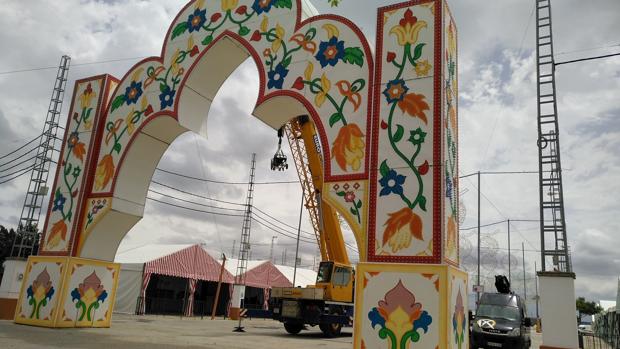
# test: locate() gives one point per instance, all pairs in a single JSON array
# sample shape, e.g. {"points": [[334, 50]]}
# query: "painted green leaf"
{"points": [[358, 204], [422, 203], [178, 30], [384, 168], [68, 168], [162, 87], [353, 211], [206, 41], [283, 4], [353, 55], [118, 101], [417, 52], [400, 131], [334, 119], [117, 148], [340, 193], [287, 61], [243, 31]]}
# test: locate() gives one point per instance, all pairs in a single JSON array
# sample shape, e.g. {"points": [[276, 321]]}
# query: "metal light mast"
{"points": [[27, 228], [244, 248], [554, 246]]}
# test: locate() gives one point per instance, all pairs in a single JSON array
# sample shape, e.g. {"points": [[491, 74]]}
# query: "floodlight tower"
{"points": [[557, 283]]}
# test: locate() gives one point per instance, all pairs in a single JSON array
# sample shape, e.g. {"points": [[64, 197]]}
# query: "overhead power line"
{"points": [[193, 209], [73, 65], [587, 59], [20, 148], [222, 182]]}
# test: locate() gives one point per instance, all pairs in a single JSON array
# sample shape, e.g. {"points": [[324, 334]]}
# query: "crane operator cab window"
{"points": [[324, 274], [342, 276]]}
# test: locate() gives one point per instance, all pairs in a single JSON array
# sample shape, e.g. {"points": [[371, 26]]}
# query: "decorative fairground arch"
{"points": [[389, 140]]}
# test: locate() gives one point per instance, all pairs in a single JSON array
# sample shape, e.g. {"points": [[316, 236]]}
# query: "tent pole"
{"points": [[219, 287]]}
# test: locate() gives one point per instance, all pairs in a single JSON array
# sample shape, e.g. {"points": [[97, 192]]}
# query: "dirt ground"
{"points": [[155, 332]]}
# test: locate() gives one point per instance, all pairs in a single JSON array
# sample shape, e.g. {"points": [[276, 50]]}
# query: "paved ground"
{"points": [[157, 332]]}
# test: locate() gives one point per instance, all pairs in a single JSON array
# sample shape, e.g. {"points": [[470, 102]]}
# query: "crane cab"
{"points": [[337, 281]]}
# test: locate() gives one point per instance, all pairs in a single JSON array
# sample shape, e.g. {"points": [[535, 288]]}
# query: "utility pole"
{"points": [[273, 238], [509, 278], [27, 235], [524, 285], [536, 284], [478, 293]]}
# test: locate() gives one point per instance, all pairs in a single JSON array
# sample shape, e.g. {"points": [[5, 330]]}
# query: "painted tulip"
{"points": [[401, 227], [348, 149]]}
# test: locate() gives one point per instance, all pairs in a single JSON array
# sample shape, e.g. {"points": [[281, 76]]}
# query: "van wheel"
{"points": [[293, 327]]}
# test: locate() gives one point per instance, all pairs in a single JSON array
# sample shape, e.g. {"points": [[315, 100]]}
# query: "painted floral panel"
{"points": [[68, 183], [399, 310], [88, 295], [458, 333], [404, 181], [40, 291]]}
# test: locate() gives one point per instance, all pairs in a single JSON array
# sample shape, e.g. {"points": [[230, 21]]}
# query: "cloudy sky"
{"points": [[497, 127]]}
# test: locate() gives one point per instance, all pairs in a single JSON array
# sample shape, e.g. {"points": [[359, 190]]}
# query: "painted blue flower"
{"points": [[330, 52], [102, 296], [75, 295], [166, 97], [49, 293], [29, 292], [392, 182], [59, 202], [375, 318], [423, 322], [276, 77], [133, 92], [448, 187], [261, 6], [395, 90], [196, 20]]}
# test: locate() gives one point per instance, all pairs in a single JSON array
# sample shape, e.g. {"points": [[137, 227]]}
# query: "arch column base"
{"points": [[383, 313], [63, 292]]}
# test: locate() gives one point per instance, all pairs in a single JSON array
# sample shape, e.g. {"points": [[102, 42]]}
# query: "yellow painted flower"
{"points": [[229, 5], [129, 122], [422, 68], [348, 149], [104, 173], [308, 71], [277, 43], [326, 85], [87, 97], [401, 227], [408, 29]]}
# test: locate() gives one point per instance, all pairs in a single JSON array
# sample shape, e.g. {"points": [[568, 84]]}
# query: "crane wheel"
{"points": [[293, 327], [331, 330]]}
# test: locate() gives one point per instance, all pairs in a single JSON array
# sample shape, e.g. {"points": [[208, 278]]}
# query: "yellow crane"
{"points": [[328, 303]]}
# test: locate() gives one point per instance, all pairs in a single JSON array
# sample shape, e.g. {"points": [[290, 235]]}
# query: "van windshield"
{"points": [[498, 312]]}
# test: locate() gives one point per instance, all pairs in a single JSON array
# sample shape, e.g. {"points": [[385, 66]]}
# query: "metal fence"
{"points": [[590, 340]]}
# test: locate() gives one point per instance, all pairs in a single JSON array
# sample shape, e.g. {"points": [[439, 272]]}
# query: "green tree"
{"points": [[586, 308]]}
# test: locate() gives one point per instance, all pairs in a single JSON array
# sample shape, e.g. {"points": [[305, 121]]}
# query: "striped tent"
{"points": [[192, 262]]}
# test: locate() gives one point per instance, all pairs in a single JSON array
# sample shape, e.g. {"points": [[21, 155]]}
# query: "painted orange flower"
{"points": [[414, 105], [451, 237], [105, 171], [400, 228], [58, 233], [302, 41], [345, 89], [348, 147]]}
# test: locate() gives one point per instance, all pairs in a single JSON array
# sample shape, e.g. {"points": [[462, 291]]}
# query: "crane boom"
{"points": [[305, 148]]}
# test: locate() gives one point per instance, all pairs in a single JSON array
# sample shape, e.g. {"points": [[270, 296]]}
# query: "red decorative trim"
{"points": [[437, 247]]}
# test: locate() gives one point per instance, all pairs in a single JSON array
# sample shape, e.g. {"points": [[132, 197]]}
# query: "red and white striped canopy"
{"points": [[192, 262]]}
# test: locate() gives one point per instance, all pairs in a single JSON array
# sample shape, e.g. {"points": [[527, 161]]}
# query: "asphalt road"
{"points": [[158, 332]]}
